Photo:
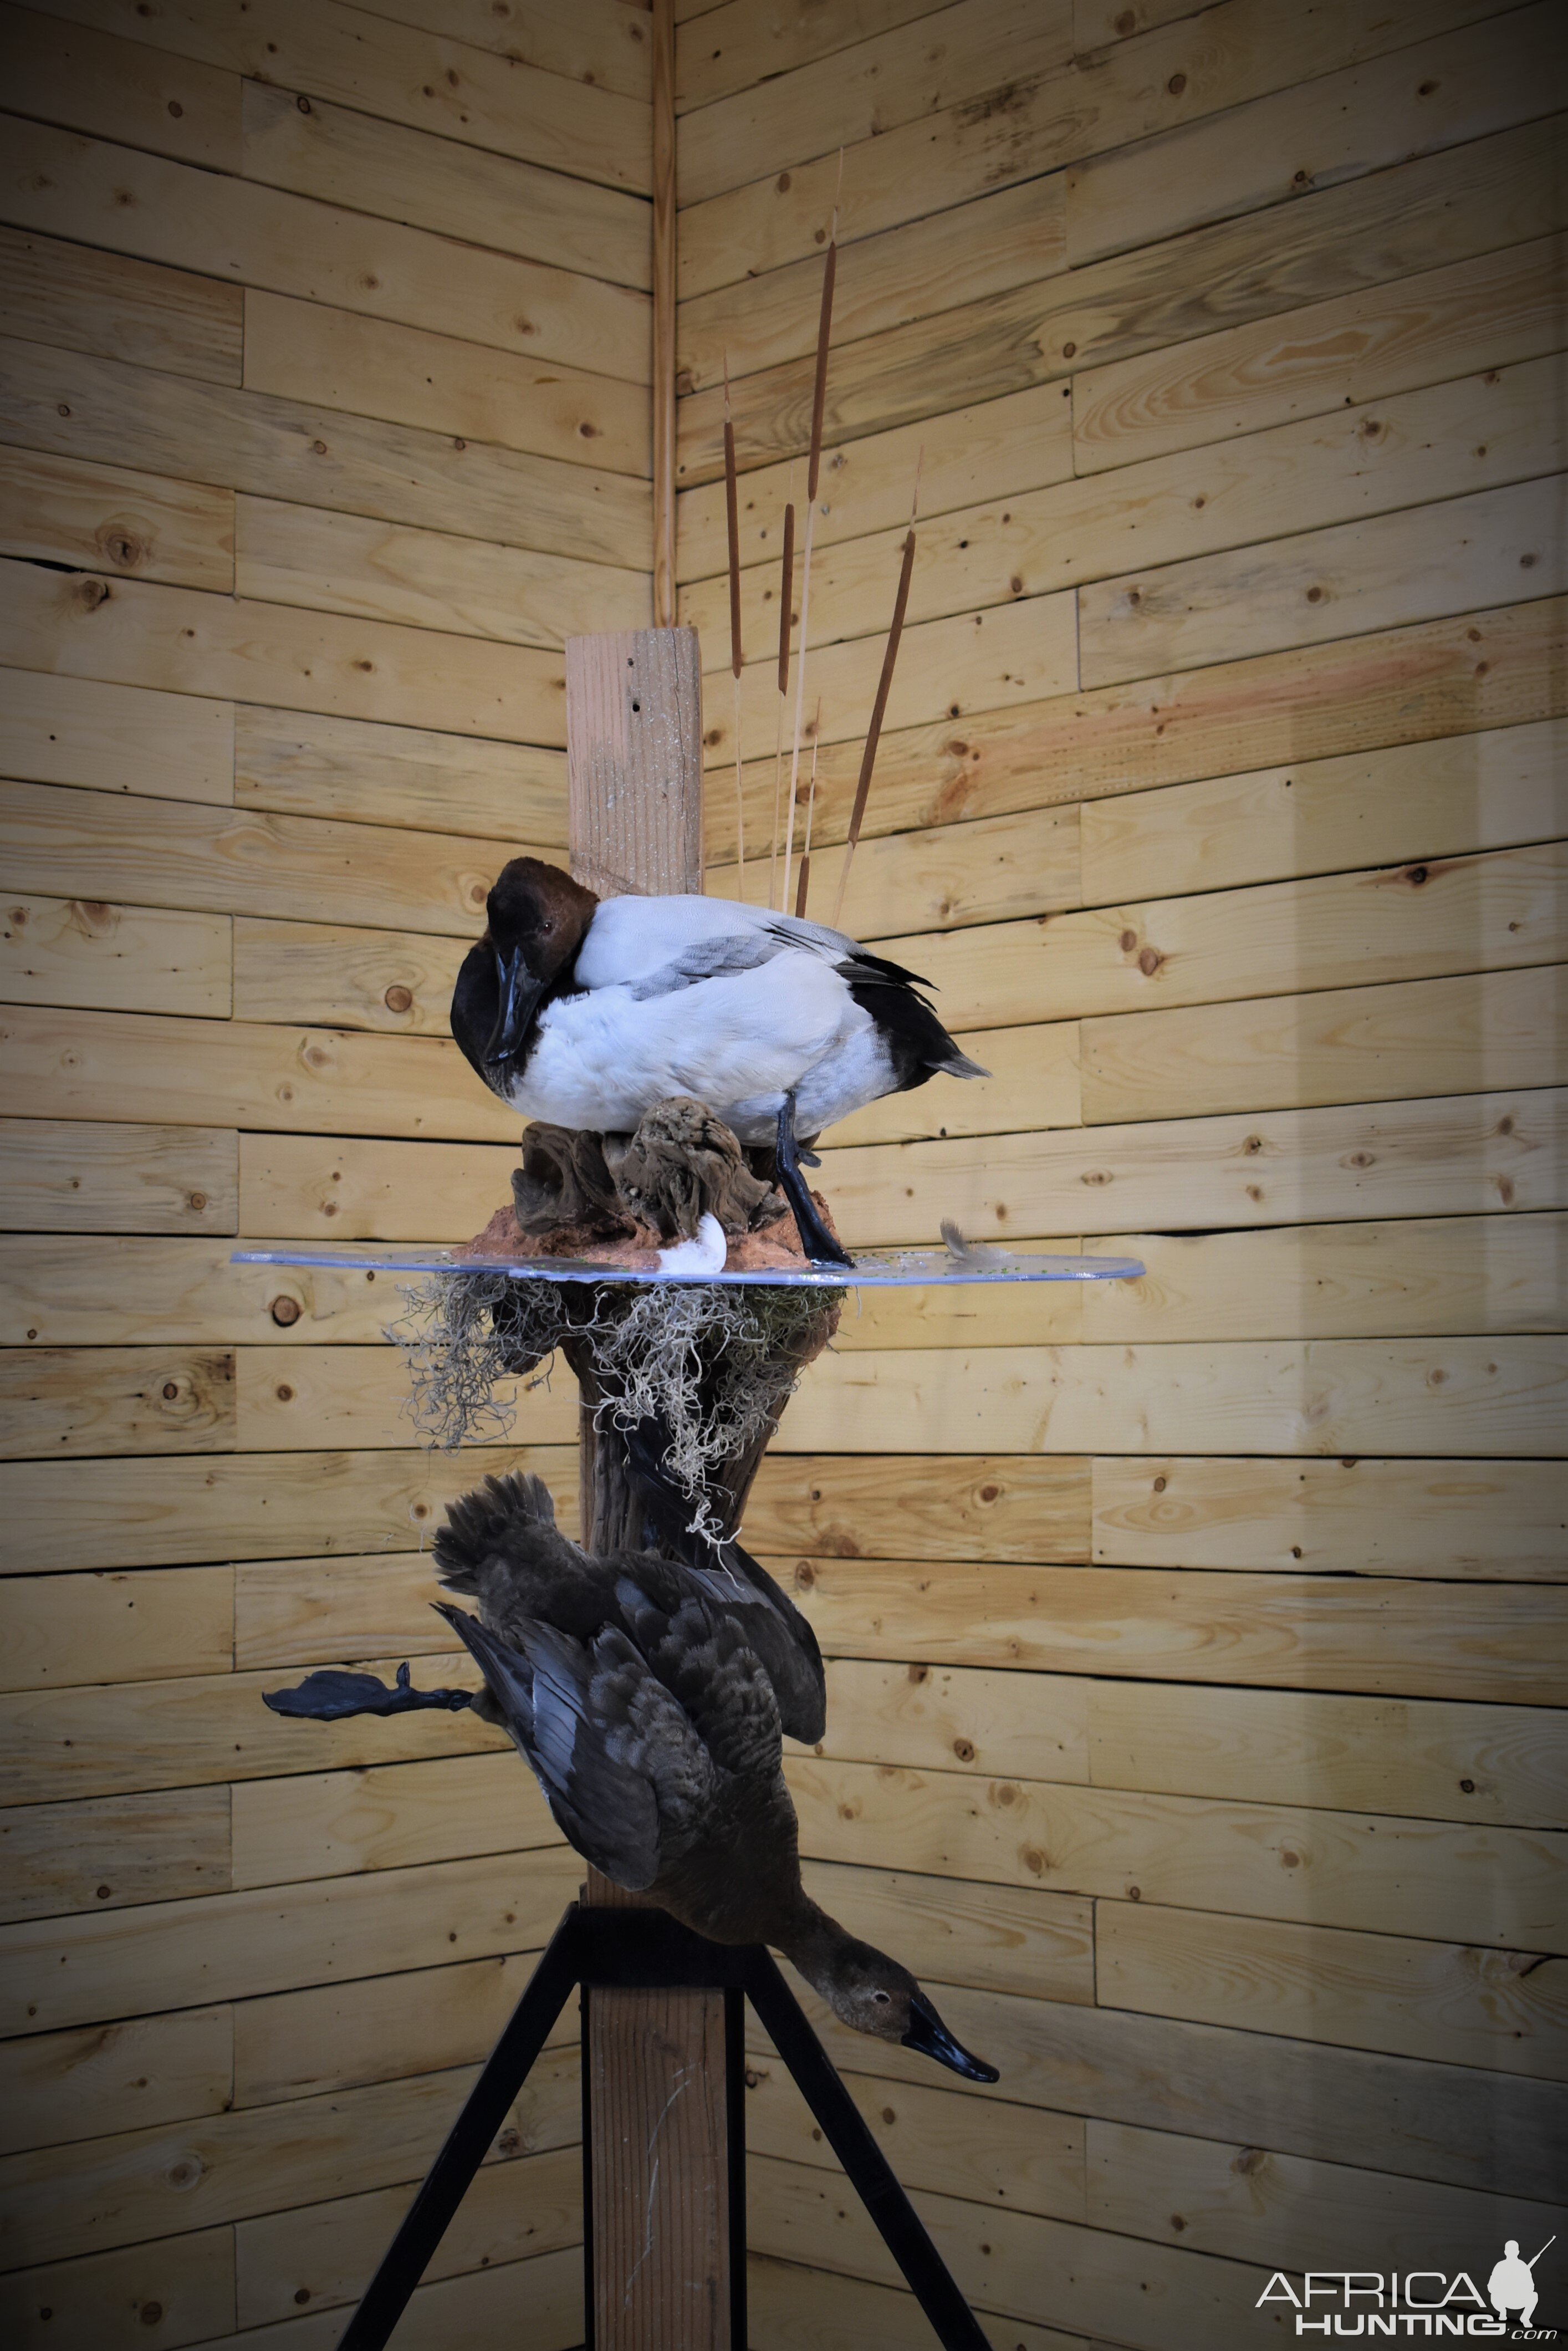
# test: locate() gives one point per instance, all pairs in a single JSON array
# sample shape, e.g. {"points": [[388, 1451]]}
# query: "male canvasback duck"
{"points": [[654, 1727], [585, 1012]]}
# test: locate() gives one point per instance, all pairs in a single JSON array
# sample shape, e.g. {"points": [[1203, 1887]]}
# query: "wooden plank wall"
{"points": [[1195, 1643], [1224, 766], [326, 415]]}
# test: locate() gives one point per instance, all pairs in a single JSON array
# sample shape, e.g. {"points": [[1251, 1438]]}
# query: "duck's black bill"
{"points": [[520, 993], [928, 2035]]}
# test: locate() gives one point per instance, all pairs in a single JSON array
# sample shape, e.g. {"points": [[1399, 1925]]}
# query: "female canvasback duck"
{"points": [[585, 1012], [653, 1727]]}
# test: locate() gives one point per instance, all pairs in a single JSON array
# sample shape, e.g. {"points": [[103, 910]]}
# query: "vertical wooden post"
{"points": [[660, 2171], [664, 312]]}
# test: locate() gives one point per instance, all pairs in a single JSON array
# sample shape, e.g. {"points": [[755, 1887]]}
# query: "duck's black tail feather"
{"points": [[493, 1516]]}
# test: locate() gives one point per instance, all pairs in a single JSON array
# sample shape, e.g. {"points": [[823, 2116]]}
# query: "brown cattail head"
{"points": [[786, 597]]}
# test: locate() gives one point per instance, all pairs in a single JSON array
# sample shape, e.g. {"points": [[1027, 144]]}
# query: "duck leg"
{"points": [[333, 1693], [818, 1241]]}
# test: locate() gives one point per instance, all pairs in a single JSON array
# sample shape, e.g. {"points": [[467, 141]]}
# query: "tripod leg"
{"points": [[447, 2181], [869, 2173], [818, 1241]]}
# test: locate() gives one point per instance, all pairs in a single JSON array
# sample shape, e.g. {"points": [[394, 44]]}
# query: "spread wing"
{"points": [[627, 1778]]}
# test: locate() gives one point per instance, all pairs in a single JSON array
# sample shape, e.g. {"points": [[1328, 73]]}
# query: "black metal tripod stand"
{"points": [[649, 1950]]}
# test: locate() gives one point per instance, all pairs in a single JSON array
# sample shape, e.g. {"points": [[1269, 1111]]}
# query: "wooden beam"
{"points": [[663, 362]]}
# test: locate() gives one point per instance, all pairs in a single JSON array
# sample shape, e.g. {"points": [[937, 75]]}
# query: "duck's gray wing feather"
{"points": [[707, 1662], [623, 1770], [720, 957]]}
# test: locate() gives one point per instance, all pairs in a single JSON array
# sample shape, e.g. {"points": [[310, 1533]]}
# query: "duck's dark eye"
{"points": [[883, 1999]]}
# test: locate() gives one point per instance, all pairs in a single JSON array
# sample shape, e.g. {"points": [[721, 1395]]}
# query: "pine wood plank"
{"points": [[115, 739], [969, 660], [985, 2150], [1390, 571], [156, 1513], [1250, 2204], [1368, 344], [1342, 1281], [943, 877], [1096, 24], [1035, 1315], [1365, 1992], [540, 2299], [1375, 232], [248, 861], [1411, 801], [380, 2028], [1438, 678], [291, 1612], [1032, 1082], [1421, 2119], [117, 1851], [301, 1398], [233, 1946], [599, 43], [399, 981], [1430, 1759], [986, 247], [1155, 2298], [868, 90], [1462, 1154], [152, 1292], [199, 1728], [390, 1816], [1451, 1519], [69, 1629], [79, 300], [300, 764], [1436, 1760], [77, 951], [793, 2308], [131, 633], [62, 185], [346, 157], [1440, 441], [1437, 94], [307, 1189], [1497, 1887], [97, 408], [1023, 1939], [327, 2255], [68, 1176], [1501, 909], [1487, 1644], [430, 580], [383, 69], [114, 2190], [58, 1402], [375, 367], [59, 510], [993, 450], [738, 45], [119, 90], [149, 2070], [1413, 1036], [1182, 74], [96, 2303], [88, 1065]]}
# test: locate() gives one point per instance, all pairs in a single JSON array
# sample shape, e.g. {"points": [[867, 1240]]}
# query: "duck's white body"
{"points": [[704, 996]]}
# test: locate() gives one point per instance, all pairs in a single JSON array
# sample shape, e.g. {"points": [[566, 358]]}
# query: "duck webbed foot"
{"points": [[334, 1693], [816, 1239]]}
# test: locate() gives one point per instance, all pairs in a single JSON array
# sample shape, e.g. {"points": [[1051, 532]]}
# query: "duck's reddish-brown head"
{"points": [[537, 917]]}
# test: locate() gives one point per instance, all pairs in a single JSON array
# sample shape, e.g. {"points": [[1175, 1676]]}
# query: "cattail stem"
{"points": [[819, 408], [873, 732], [786, 598], [732, 519]]}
